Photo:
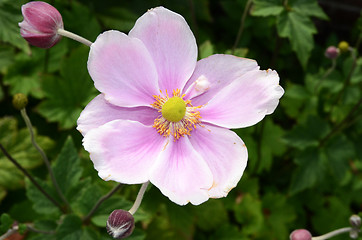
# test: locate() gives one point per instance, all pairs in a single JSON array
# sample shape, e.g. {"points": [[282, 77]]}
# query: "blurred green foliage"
{"points": [[305, 160]]}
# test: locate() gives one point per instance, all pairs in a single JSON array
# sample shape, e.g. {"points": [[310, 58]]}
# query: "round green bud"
{"points": [[20, 101], [174, 109]]}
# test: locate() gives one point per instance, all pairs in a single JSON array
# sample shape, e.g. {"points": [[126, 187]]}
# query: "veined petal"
{"points": [[225, 154], [171, 44], [124, 151], [245, 101], [122, 68], [181, 174], [99, 111], [219, 71]]}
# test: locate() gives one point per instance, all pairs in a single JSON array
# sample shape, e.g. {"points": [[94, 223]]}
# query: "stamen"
{"points": [[180, 128]]}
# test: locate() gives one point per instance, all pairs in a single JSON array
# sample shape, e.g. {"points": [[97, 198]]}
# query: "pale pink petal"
{"points": [[219, 71], [181, 174], [123, 150], [171, 44], [122, 68], [99, 111], [224, 152], [245, 101]]}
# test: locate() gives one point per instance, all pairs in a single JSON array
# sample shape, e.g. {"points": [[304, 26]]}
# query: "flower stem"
{"points": [[30, 227], [139, 198], [73, 36], [100, 201], [36, 184], [241, 28], [333, 233], [44, 157]]}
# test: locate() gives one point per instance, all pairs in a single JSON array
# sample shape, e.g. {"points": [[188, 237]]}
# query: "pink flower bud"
{"points": [[120, 224], [41, 23], [331, 52], [300, 234]]}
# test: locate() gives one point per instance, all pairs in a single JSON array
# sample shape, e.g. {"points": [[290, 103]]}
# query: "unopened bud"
{"points": [[300, 234], [20, 101], [120, 224], [331, 52], [41, 23], [343, 46], [355, 221]]}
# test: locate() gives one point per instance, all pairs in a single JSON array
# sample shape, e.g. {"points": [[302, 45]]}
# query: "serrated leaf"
{"points": [[18, 145], [308, 8], [307, 134], [89, 234], [70, 228], [339, 152], [9, 31], [264, 8], [41, 204], [66, 96], [6, 58], [299, 29], [211, 214], [66, 168], [5, 223], [311, 169]]}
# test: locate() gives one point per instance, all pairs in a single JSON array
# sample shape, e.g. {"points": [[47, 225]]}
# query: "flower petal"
{"points": [[171, 44], [124, 151], [123, 70], [225, 153], [245, 101], [99, 112], [181, 174], [219, 71]]}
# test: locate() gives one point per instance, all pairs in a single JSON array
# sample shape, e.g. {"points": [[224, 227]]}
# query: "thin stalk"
{"points": [[100, 201], [44, 157], [74, 36], [139, 198], [333, 233], [30, 227], [36, 184], [241, 28]]}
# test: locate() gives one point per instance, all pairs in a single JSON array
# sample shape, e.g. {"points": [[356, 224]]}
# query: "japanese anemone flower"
{"points": [[164, 117]]}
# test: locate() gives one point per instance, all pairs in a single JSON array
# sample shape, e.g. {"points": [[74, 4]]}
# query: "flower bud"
{"points": [[120, 224], [355, 221], [343, 46], [41, 23], [300, 234], [20, 101], [331, 52]]}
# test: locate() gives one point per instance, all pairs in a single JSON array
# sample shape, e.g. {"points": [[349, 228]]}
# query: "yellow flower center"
{"points": [[178, 117], [174, 109]]}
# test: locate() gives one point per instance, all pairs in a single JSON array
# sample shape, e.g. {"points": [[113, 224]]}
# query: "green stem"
{"points": [[44, 157], [36, 184], [139, 198], [100, 201], [241, 28]]}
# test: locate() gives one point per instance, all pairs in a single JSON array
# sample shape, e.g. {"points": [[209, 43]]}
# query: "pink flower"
{"points": [[40, 25], [163, 117], [300, 234]]}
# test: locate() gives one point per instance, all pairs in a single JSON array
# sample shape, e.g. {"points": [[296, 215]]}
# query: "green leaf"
{"points": [[311, 169], [299, 29], [264, 8], [66, 96], [308, 8], [66, 168], [18, 145], [89, 234], [6, 58], [339, 152], [70, 228], [206, 49], [5, 223], [10, 15], [41, 204]]}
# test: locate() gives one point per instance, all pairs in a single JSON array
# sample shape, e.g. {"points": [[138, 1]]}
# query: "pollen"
{"points": [[177, 116]]}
